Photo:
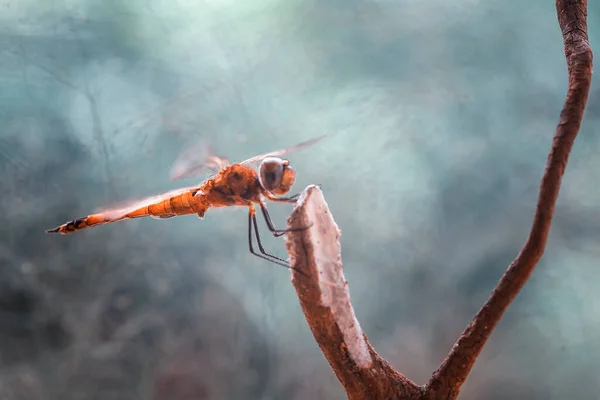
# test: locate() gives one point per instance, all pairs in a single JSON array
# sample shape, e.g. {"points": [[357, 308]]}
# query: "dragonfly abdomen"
{"points": [[78, 224], [184, 204], [193, 202]]}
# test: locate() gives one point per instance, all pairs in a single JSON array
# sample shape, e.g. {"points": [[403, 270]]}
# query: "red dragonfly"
{"points": [[238, 184]]}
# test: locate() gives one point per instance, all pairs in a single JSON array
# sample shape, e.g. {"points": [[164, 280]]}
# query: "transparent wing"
{"points": [[280, 152], [201, 158], [196, 160]]}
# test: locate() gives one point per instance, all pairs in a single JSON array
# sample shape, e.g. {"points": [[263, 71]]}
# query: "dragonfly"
{"points": [[230, 184]]}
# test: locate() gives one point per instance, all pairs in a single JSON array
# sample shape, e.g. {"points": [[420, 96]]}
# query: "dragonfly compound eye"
{"points": [[271, 173], [289, 177]]}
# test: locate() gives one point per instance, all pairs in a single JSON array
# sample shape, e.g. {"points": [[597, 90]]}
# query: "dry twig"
{"points": [[324, 294]]}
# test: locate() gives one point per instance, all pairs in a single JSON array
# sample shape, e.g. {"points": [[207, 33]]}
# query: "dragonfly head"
{"points": [[276, 175]]}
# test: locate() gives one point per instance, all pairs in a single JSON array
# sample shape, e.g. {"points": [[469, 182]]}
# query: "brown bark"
{"points": [[447, 380], [323, 291]]}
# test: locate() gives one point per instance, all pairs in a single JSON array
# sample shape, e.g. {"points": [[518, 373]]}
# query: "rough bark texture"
{"points": [[447, 380], [323, 290]]}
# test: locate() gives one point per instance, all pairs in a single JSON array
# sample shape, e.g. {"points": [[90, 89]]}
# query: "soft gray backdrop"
{"points": [[440, 117]]}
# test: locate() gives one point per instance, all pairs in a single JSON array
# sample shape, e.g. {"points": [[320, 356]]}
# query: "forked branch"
{"points": [[323, 290]]}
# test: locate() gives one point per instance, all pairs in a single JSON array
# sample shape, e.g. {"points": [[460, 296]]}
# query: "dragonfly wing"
{"points": [[202, 159], [280, 152], [196, 160]]}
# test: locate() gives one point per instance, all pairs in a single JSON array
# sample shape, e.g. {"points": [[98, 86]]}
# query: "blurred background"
{"points": [[440, 117]]}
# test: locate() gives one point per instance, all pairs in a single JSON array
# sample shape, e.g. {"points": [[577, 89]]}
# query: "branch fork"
{"points": [[318, 277]]}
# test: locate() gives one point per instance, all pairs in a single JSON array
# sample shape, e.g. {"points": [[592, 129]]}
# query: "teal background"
{"points": [[440, 117]]}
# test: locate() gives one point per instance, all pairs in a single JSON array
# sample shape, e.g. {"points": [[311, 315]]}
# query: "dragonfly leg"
{"points": [[294, 198], [278, 232], [290, 199], [263, 254]]}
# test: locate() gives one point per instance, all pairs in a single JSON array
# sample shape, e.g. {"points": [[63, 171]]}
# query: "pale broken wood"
{"points": [[318, 278], [334, 292]]}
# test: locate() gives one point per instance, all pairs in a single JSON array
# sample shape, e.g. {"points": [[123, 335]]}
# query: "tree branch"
{"points": [[447, 380], [323, 290]]}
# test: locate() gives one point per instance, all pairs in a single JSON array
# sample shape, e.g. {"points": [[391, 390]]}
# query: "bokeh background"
{"points": [[440, 116]]}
